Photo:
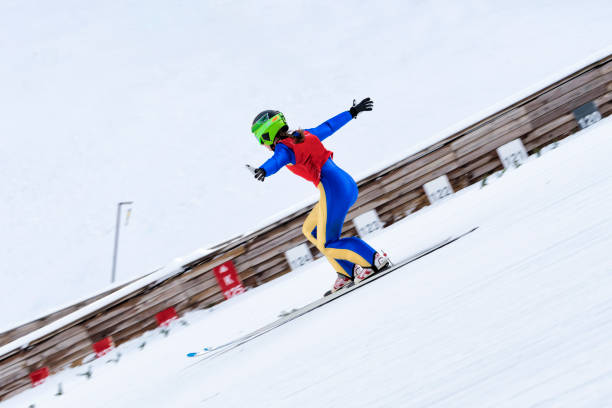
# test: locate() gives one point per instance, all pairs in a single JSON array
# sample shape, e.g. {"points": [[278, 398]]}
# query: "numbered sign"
{"points": [[513, 154], [438, 189], [367, 223], [587, 114], [298, 256], [228, 279]]}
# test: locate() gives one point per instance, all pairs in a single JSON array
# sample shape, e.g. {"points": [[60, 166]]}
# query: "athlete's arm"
{"points": [[282, 157], [327, 128]]}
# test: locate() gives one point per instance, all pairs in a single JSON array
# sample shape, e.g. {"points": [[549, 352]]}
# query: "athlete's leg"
{"points": [[309, 229], [338, 194]]}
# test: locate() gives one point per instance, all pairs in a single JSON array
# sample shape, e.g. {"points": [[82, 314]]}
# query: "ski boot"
{"points": [[342, 281], [360, 273], [381, 262]]}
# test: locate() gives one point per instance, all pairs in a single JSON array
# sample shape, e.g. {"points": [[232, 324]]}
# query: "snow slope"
{"points": [[109, 101], [516, 314]]}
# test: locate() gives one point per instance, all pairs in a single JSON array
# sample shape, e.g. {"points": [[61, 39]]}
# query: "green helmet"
{"points": [[266, 126]]}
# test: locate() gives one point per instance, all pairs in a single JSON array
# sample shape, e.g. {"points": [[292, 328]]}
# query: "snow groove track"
{"points": [[224, 348]]}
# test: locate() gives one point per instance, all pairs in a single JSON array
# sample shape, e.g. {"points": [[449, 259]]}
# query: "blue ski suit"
{"points": [[338, 192]]}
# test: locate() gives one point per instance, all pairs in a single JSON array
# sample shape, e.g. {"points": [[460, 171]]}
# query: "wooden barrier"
{"points": [[465, 157]]}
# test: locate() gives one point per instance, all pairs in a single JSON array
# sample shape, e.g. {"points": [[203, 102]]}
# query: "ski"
{"points": [[397, 265], [201, 353], [214, 351]]}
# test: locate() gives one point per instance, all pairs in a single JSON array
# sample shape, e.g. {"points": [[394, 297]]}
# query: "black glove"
{"points": [[260, 174], [366, 105]]}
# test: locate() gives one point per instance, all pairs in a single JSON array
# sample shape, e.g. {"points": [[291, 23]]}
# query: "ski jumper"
{"points": [[338, 192]]}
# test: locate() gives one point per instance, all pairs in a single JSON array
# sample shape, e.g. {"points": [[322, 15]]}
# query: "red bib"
{"points": [[310, 156]]}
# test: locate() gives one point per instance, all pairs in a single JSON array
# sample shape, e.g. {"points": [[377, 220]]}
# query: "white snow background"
{"points": [[516, 314], [102, 102]]}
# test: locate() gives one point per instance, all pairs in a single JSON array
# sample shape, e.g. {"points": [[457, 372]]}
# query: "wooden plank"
{"points": [[416, 184], [605, 98], [558, 133], [273, 233], [81, 337], [540, 118], [13, 334], [198, 283], [279, 259], [203, 267], [108, 327], [399, 201], [67, 356], [82, 319], [263, 250], [400, 212], [12, 372], [564, 110], [464, 171], [548, 127], [154, 305], [14, 388], [564, 129], [447, 162], [506, 121], [494, 144], [111, 313], [258, 246], [278, 272], [173, 288], [605, 109], [203, 302], [114, 328], [14, 377], [376, 189], [519, 125], [194, 290], [368, 202], [40, 347], [131, 332], [268, 251], [486, 169], [411, 186], [437, 158], [33, 360], [564, 89], [204, 295], [208, 277], [11, 356]]}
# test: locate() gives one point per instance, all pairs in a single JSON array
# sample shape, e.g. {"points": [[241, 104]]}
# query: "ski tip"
{"points": [[192, 354]]}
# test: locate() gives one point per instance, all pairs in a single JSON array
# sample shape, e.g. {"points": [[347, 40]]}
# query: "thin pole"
{"points": [[117, 226]]}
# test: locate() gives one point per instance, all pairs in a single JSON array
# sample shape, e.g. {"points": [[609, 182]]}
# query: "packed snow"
{"points": [[111, 101], [515, 314]]}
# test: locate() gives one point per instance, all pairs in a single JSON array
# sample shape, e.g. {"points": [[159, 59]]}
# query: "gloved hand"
{"points": [[366, 105], [260, 174]]}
